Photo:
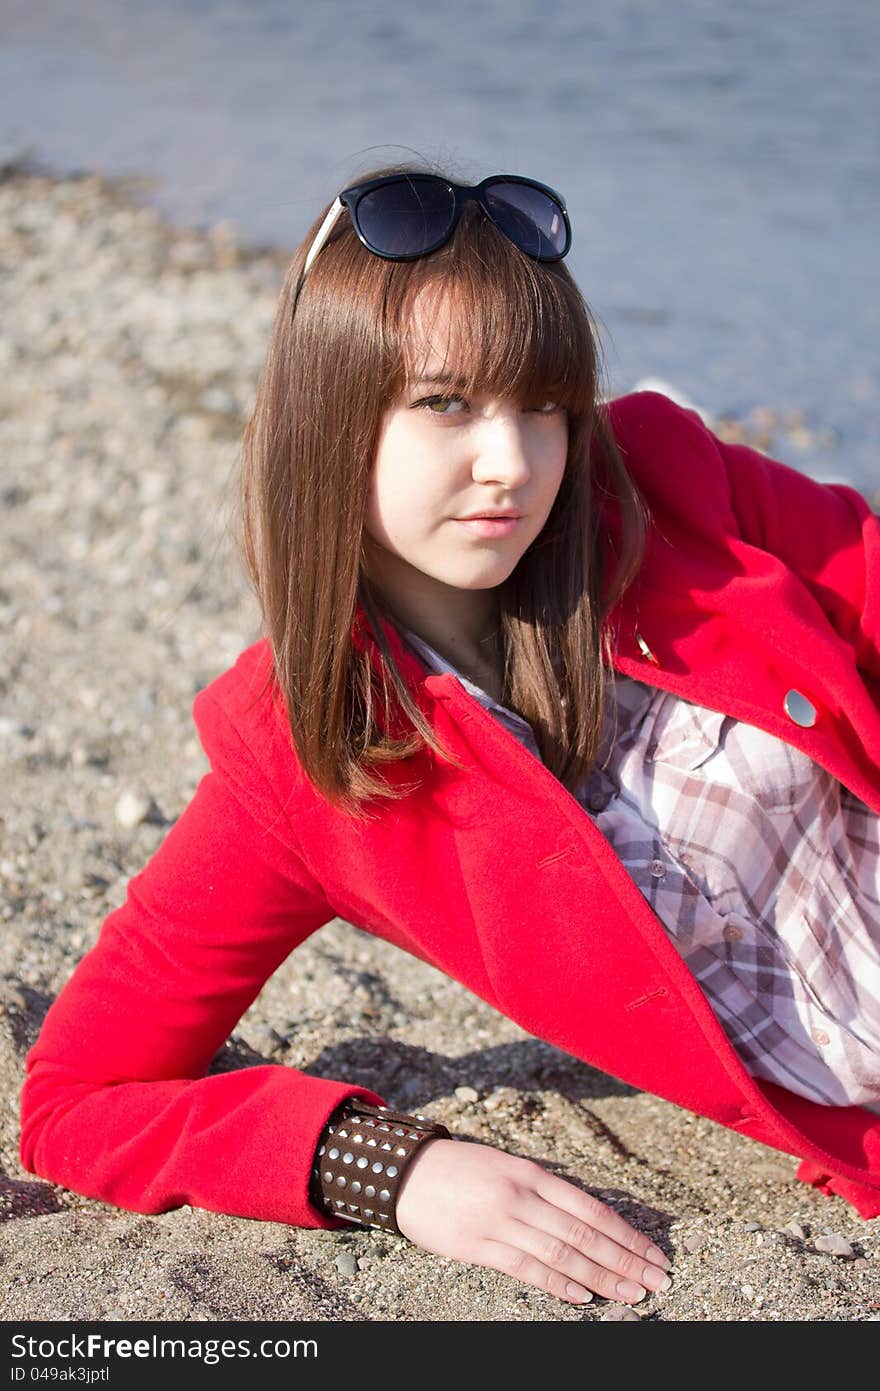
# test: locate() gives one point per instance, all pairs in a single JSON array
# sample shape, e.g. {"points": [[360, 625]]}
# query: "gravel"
{"points": [[129, 359]]}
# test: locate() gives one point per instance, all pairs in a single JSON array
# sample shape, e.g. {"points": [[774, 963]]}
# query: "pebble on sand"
{"points": [[833, 1244], [620, 1313], [132, 808]]}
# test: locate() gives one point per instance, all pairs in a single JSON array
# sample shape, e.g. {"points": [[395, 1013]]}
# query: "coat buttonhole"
{"points": [[551, 859], [646, 998]]}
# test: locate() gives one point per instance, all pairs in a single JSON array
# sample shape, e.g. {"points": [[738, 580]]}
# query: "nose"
{"points": [[503, 451]]}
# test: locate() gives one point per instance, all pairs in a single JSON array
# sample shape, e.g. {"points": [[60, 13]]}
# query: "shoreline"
{"points": [[130, 354]]}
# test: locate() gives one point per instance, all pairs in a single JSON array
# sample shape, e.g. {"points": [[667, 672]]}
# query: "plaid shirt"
{"points": [[763, 869]]}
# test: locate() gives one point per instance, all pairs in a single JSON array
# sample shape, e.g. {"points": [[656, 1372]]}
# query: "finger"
{"points": [[521, 1265], [576, 1251], [583, 1207]]}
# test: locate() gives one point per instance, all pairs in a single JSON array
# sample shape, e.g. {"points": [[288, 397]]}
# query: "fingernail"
{"points": [[577, 1292], [628, 1289], [659, 1257], [655, 1279]]}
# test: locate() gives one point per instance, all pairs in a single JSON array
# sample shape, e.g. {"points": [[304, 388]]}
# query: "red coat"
{"points": [[757, 581]]}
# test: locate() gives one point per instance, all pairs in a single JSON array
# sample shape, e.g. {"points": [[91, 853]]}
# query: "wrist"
{"points": [[363, 1158], [411, 1192]]}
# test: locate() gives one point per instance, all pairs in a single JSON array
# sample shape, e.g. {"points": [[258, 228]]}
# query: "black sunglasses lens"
{"points": [[529, 217], [406, 218]]}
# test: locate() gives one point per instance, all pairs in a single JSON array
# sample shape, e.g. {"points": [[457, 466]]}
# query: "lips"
{"points": [[490, 526], [491, 517]]}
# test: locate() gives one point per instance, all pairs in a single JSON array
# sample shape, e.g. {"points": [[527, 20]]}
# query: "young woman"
{"points": [[564, 696]]}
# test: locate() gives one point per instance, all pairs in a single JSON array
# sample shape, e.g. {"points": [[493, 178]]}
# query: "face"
{"points": [[441, 458]]}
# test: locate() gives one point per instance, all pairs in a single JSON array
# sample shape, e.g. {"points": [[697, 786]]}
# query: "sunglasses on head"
{"points": [[403, 216]]}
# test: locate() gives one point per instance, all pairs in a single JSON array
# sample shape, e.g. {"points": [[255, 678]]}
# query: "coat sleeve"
{"points": [[117, 1103], [826, 533]]}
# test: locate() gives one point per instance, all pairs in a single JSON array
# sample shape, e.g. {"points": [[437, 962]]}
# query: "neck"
{"points": [[461, 624]]}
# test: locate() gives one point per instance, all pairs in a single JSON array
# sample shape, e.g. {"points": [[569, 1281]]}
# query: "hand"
{"points": [[483, 1206]]}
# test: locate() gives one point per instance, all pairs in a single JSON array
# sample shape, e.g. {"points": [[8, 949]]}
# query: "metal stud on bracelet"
{"points": [[361, 1160]]}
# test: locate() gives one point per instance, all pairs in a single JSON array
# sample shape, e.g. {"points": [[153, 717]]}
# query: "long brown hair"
{"points": [[338, 357]]}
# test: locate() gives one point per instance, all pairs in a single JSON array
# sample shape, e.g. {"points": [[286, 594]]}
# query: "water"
{"points": [[720, 162]]}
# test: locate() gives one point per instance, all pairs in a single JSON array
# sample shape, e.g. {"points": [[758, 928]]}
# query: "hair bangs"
{"points": [[511, 327]]}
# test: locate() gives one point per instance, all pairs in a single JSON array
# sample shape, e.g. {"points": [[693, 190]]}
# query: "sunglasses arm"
{"points": [[322, 234]]}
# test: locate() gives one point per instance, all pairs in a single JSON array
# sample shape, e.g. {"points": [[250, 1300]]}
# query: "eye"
{"points": [[548, 408], [439, 405]]}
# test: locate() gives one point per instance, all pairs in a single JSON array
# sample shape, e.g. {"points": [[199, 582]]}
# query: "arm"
{"points": [[826, 533], [116, 1104]]}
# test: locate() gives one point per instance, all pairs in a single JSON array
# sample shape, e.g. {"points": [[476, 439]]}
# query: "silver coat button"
{"points": [[799, 709]]}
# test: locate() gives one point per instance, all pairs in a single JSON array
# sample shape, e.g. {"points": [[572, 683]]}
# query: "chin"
{"points": [[486, 581]]}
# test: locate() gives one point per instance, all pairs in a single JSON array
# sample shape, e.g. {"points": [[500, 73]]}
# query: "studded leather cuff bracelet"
{"points": [[361, 1160]]}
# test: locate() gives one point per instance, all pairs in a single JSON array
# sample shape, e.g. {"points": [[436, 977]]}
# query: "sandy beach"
{"points": [[129, 357]]}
